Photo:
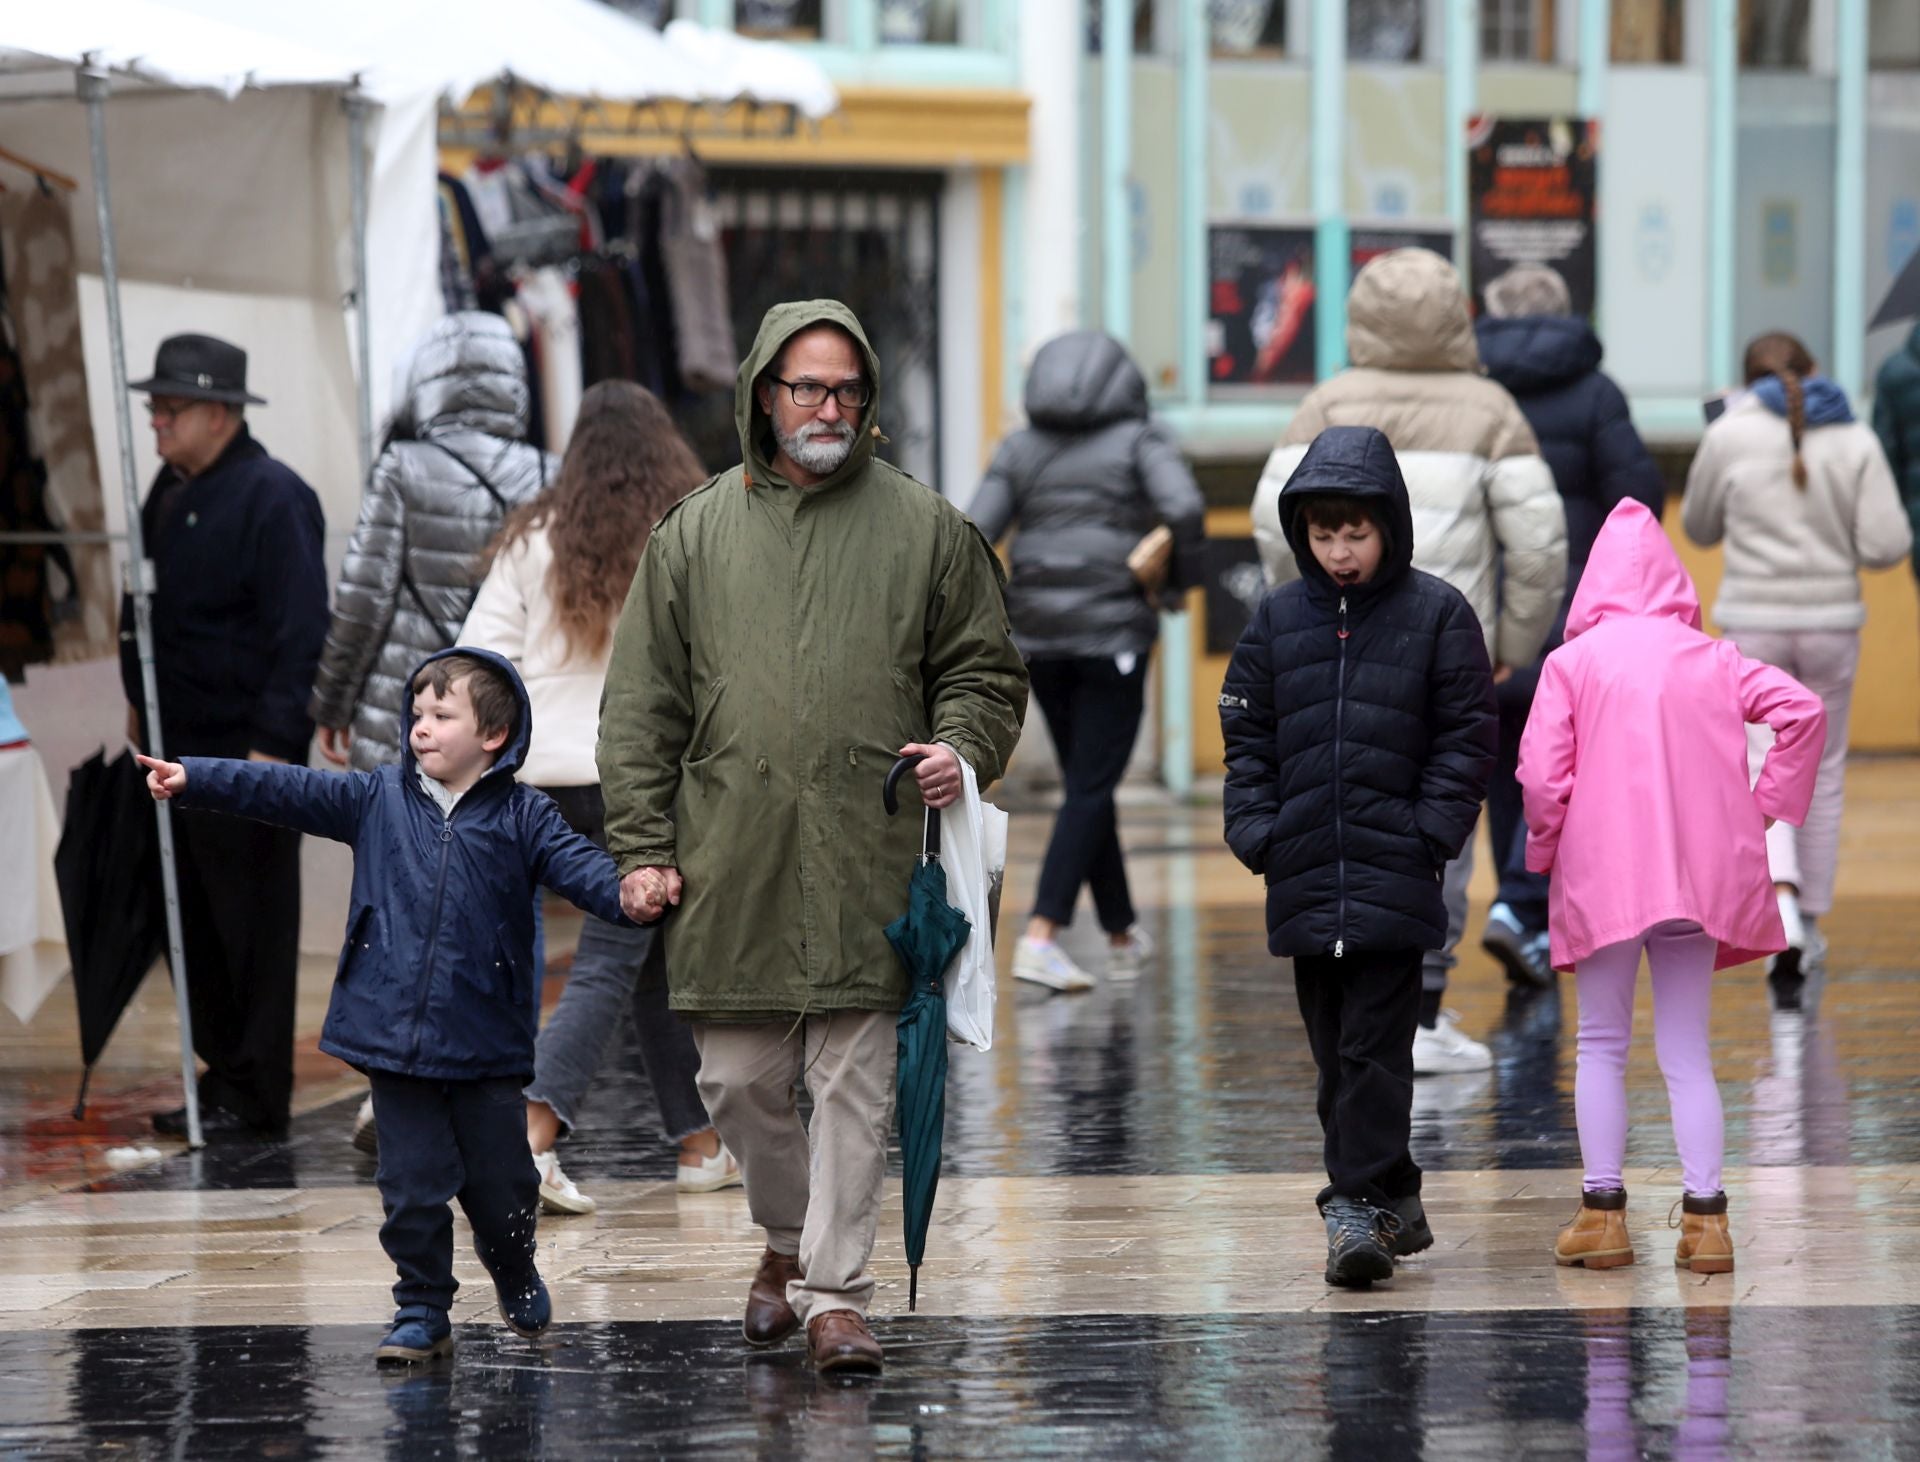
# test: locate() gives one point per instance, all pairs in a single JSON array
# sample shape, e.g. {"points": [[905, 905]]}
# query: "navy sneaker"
{"points": [[415, 1338], [1413, 1234], [524, 1304], [1359, 1242]]}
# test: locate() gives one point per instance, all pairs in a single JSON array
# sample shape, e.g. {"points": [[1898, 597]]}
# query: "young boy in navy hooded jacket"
{"points": [[1360, 729], [436, 998]]}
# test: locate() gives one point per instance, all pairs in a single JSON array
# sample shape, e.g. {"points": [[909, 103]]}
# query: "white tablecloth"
{"points": [[33, 942]]}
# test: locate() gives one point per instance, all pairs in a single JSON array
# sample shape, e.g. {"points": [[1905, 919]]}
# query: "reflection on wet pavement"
{"points": [[1695, 1384], [1124, 1263]]}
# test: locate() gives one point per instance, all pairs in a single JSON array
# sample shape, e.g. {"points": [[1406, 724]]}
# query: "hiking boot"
{"points": [[415, 1339], [1596, 1236], [1521, 952], [1706, 1244], [1359, 1242], [1046, 963], [1444, 1049], [770, 1319], [839, 1341], [1413, 1235]]}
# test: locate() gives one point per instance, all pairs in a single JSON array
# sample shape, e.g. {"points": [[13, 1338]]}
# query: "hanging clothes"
{"points": [[556, 323], [40, 296], [696, 270]]}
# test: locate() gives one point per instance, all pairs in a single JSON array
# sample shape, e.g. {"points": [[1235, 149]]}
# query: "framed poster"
{"points": [[1370, 241], [1260, 294], [1531, 186]]}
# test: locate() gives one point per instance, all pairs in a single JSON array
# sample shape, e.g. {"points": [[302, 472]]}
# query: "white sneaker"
{"points": [[1124, 961], [557, 1193], [1446, 1049], [1047, 964], [710, 1174], [365, 1136]]}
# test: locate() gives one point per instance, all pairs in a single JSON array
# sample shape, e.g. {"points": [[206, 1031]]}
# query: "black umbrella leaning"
{"points": [[110, 899], [926, 937]]}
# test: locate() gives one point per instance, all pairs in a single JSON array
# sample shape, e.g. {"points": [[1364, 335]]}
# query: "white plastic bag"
{"points": [[973, 851]]}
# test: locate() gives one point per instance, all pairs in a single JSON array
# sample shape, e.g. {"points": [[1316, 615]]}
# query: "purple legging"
{"points": [[1680, 957]]}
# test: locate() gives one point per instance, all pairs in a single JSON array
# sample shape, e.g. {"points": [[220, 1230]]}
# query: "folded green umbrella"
{"points": [[926, 937]]}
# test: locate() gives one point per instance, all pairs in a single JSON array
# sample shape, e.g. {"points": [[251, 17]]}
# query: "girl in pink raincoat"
{"points": [[1638, 801]]}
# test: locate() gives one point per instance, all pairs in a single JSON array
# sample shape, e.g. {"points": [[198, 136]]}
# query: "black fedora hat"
{"points": [[198, 368]]}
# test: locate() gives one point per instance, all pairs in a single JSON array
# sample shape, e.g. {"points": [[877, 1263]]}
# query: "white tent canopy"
{"points": [[235, 170]]}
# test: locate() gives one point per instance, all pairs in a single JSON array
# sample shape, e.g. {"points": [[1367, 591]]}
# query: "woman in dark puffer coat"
{"points": [[1089, 477], [1550, 362]]}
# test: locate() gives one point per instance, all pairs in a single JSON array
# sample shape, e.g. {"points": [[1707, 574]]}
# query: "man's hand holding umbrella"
{"points": [[938, 776]]}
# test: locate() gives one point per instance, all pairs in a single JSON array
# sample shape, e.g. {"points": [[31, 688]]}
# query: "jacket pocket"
{"points": [[359, 946], [911, 719], [709, 738], [503, 976]]}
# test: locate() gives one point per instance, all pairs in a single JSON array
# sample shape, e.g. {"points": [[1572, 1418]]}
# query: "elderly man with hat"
{"points": [[239, 615]]}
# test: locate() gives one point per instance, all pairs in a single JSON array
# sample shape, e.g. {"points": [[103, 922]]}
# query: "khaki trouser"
{"points": [[822, 1205]]}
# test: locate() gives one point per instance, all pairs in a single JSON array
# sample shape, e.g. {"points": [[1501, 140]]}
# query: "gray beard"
{"points": [[820, 458]]}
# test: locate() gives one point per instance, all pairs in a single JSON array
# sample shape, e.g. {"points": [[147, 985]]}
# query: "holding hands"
{"points": [[646, 893], [165, 779]]}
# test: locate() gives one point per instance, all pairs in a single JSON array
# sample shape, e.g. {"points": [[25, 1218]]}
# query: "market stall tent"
{"points": [[272, 181]]}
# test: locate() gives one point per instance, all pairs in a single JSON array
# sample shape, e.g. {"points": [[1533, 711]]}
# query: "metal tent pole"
{"points": [[94, 87], [358, 105]]}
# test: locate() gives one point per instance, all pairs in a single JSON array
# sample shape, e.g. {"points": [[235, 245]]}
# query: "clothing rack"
{"points": [[44, 174]]}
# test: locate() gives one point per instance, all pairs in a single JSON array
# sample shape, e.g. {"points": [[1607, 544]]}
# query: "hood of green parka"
{"points": [[780, 325]]}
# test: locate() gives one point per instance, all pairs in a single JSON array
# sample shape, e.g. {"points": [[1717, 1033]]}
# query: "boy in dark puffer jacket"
{"points": [[1360, 731]]}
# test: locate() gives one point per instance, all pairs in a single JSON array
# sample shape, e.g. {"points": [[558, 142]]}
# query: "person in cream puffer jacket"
{"points": [[1486, 516]]}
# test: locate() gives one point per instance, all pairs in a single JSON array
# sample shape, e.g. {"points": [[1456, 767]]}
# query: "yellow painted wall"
{"points": [[1886, 698]]}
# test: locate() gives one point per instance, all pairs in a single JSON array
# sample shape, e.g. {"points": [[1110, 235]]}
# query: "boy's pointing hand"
{"points": [[164, 778]]}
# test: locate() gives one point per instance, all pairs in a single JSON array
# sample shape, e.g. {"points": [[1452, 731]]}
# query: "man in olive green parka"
{"points": [[797, 624]]}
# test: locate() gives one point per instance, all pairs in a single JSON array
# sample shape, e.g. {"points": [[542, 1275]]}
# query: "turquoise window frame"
{"points": [[863, 61]]}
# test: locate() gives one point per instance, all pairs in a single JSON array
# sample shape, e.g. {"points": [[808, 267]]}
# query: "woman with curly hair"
{"points": [[560, 571]]}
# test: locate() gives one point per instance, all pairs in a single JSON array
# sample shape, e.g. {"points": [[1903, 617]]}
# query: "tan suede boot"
{"points": [[1706, 1243], [1596, 1236]]}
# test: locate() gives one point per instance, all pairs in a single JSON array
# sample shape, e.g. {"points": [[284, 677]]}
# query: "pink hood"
{"points": [[1633, 570], [1634, 762]]}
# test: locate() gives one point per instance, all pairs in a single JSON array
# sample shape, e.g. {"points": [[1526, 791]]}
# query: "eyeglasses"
{"points": [[160, 410], [810, 394]]}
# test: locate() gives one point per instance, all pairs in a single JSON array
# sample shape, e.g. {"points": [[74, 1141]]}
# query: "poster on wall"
{"points": [[1235, 584], [1531, 188], [1260, 305], [1260, 330]]}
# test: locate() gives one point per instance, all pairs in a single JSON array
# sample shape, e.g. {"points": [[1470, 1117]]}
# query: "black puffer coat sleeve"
{"points": [[1247, 719], [1463, 729], [1622, 466]]}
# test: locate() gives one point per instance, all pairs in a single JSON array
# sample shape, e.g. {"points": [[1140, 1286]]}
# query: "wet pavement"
{"points": [[1124, 1262], [1695, 1384]]}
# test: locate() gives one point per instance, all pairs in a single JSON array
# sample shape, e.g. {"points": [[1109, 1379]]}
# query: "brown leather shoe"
{"points": [[1706, 1243], [839, 1340], [770, 1319], [1596, 1237]]}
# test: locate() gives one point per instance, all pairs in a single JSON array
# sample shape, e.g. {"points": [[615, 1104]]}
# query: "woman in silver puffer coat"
{"points": [[435, 500]]}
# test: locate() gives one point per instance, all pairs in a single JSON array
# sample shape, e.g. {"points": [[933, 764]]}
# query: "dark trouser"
{"points": [[615, 971], [1360, 1012], [442, 1140], [1093, 713], [1523, 892], [240, 925]]}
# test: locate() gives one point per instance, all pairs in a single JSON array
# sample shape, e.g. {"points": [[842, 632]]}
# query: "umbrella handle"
{"points": [[890, 799]]}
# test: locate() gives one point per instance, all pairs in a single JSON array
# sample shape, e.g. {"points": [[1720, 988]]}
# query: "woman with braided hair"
{"points": [[1803, 498]]}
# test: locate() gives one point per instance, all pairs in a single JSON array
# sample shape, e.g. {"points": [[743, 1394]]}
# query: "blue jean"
{"points": [[442, 1140], [616, 970]]}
